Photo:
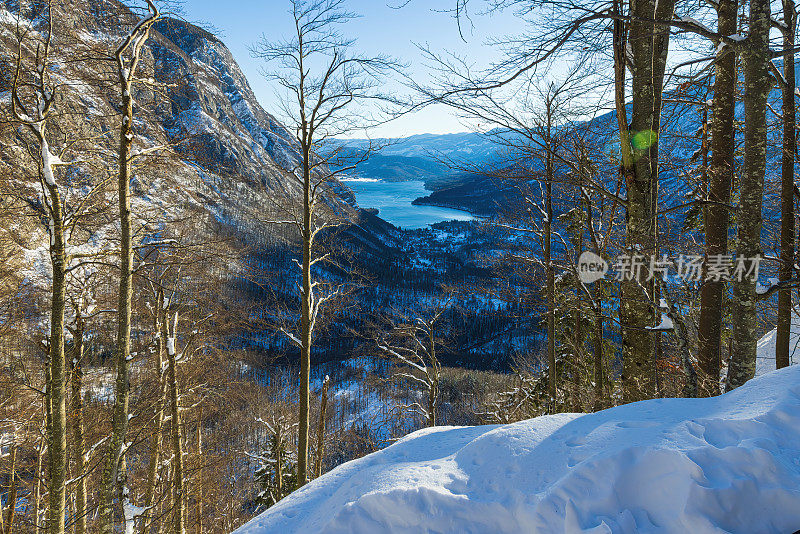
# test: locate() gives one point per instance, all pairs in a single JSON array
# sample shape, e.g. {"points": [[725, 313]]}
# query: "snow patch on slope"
{"points": [[765, 353], [725, 464]]}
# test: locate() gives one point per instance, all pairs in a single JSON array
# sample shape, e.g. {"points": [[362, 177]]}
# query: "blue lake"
{"points": [[393, 201]]}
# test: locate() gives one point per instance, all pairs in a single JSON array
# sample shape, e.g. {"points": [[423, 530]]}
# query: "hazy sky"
{"points": [[382, 28]]}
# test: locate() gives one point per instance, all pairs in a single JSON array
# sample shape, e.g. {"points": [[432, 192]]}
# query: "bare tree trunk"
{"points": [[78, 437], [112, 475], [787, 189], [278, 440], [12, 493], [548, 264], [757, 81], [305, 326], [199, 484], [56, 392], [649, 44], [599, 370], [717, 216], [433, 393], [114, 482], [37, 493], [321, 426], [177, 448], [161, 331]]}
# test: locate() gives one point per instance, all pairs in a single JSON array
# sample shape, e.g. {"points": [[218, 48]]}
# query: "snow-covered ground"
{"points": [[725, 464], [765, 356]]}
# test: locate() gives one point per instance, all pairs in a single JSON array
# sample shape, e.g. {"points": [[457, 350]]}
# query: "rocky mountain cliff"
{"points": [[225, 163]]}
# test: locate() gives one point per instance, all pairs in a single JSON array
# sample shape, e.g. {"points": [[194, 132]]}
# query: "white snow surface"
{"points": [[765, 352], [724, 464]]}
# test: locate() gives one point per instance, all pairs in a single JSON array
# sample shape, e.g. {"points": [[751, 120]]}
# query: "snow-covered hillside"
{"points": [[725, 464], [765, 357]]}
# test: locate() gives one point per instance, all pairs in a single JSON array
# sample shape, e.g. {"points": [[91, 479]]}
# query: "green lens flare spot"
{"points": [[644, 139]]}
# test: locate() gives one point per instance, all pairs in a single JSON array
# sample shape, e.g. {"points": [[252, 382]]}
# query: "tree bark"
{"points": [[199, 484], [433, 393], [78, 437], [757, 81], [113, 478], [649, 44], [321, 427], [305, 326], [786, 269], [12, 494], [716, 212], [56, 391], [548, 263], [161, 332], [177, 448]]}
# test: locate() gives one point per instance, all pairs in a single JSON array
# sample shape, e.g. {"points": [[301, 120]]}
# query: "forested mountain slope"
{"points": [[208, 150]]}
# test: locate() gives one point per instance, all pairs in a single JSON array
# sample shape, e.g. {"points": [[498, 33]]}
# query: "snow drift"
{"points": [[726, 464], [765, 353]]}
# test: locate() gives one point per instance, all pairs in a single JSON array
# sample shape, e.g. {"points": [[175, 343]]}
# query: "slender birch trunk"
{"points": [[433, 392]]}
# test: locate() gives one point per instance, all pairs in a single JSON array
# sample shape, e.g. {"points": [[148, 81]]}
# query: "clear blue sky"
{"points": [[380, 29]]}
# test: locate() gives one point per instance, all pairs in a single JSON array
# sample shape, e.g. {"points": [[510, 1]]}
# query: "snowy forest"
{"points": [[581, 319]]}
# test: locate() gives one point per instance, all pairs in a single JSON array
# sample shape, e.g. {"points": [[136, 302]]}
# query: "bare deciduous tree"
{"points": [[325, 82]]}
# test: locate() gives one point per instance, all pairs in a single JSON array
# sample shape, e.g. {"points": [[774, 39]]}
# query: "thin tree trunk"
{"points": [[578, 345], [756, 57], [160, 329], [278, 443], [433, 393], [548, 265], [786, 270], [199, 485], [113, 478], [78, 437], [12, 493], [599, 371], [305, 327], [717, 216], [37, 493], [177, 448], [321, 426], [56, 391]]}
